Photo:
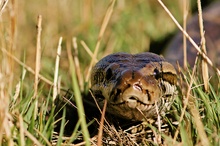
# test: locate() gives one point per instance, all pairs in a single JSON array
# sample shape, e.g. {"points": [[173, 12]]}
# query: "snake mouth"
{"points": [[135, 97], [136, 93], [134, 103]]}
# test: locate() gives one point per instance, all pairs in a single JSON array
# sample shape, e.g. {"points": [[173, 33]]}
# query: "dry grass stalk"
{"points": [[99, 142], [21, 130], [88, 50], [4, 123], [57, 69], [185, 15], [77, 65], [12, 39], [101, 33], [188, 37], [3, 5], [205, 74], [6, 81], [11, 30], [69, 54], [13, 17], [38, 55]]}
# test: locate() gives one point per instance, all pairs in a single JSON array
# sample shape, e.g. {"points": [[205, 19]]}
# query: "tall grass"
{"points": [[131, 27]]}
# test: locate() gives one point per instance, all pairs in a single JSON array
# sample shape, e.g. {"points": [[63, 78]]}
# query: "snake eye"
{"points": [[108, 74], [111, 71], [157, 73]]}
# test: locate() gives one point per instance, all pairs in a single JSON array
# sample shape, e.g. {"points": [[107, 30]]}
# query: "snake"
{"points": [[140, 87], [135, 86]]}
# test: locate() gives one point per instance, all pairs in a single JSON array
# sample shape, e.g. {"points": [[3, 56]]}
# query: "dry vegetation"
{"points": [[32, 73]]}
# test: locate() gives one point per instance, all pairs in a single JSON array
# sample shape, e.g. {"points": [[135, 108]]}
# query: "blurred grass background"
{"points": [[135, 26]]}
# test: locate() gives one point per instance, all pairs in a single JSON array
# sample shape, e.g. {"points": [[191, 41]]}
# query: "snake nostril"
{"points": [[138, 87]]}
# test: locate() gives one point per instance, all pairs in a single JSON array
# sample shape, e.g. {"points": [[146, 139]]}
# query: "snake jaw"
{"points": [[140, 92], [134, 85]]}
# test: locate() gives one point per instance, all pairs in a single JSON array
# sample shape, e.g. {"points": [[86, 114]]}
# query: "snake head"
{"points": [[134, 85]]}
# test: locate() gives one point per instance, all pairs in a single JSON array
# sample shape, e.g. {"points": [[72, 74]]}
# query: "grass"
{"points": [[27, 111]]}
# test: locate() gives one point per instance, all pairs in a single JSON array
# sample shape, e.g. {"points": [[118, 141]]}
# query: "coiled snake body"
{"points": [[136, 87]]}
